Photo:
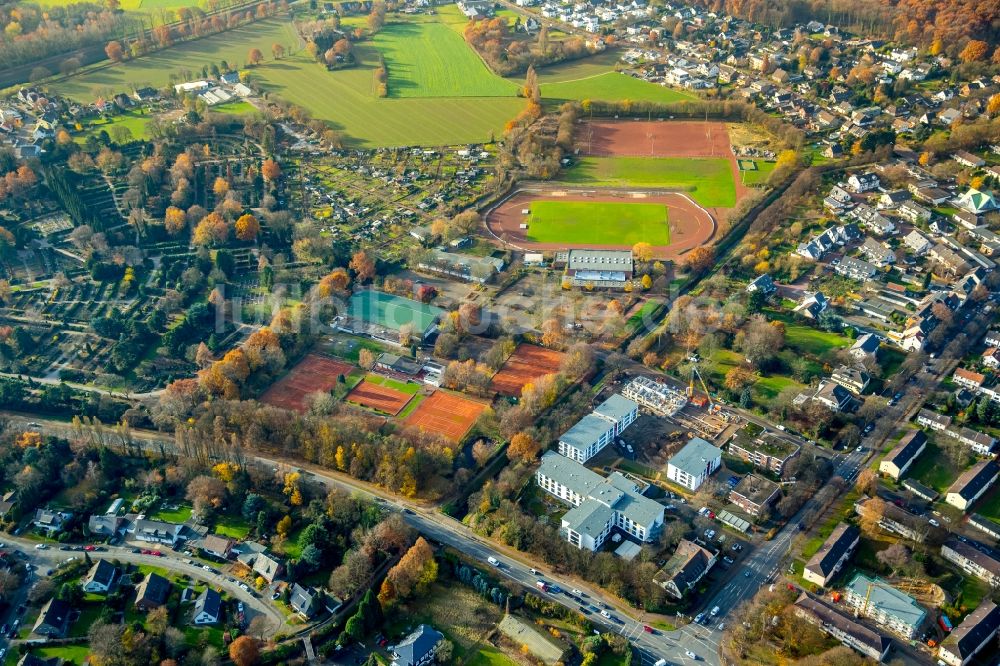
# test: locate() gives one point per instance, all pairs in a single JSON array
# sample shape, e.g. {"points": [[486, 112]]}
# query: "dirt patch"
{"points": [[654, 139], [380, 398], [446, 414], [690, 224], [313, 373], [527, 363]]}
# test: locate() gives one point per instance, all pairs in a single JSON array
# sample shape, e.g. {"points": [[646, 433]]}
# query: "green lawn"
{"points": [[133, 121], [235, 527], [408, 388], [184, 60], [709, 180], [933, 469], [178, 515], [489, 656], [809, 340], [758, 176], [598, 223], [234, 108], [610, 86], [411, 406], [74, 653], [428, 59], [88, 615], [989, 506]]}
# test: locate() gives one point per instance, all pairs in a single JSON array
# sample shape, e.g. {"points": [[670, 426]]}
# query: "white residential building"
{"points": [[690, 466], [599, 504], [598, 429]]}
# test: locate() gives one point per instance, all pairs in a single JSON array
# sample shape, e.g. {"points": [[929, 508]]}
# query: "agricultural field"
{"points": [[610, 86], [709, 181], [429, 59], [183, 61], [595, 78], [553, 221]]}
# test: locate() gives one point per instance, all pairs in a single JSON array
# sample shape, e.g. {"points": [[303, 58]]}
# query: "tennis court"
{"points": [[313, 373], [380, 398], [446, 414], [527, 363]]}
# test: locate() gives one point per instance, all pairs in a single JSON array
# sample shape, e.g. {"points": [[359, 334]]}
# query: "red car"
{"points": [[147, 552], [156, 553], [711, 514], [648, 629], [90, 548]]}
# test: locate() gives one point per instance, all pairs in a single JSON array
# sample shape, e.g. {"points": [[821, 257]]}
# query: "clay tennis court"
{"points": [[527, 363], [313, 373], [690, 224], [446, 414], [675, 138], [380, 398]]}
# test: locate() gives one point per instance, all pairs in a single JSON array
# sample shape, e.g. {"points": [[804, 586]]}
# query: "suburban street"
{"points": [[52, 557]]}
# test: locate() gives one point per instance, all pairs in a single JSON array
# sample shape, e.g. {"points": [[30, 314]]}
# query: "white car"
{"points": [[606, 614], [577, 592], [691, 655], [934, 522], [41, 546]]}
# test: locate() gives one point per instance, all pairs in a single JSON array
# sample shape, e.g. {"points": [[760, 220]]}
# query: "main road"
{"points": [[762, 563]]}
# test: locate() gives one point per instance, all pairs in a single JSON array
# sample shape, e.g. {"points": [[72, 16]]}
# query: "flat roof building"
{"points": [[878, 600], [694, 463], [597, 268], [655, 396], [763, 449], [753, 493], [598, 429], [599, 504]]}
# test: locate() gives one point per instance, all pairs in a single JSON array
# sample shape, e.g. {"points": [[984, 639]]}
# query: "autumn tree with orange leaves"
{"points": [[363, 266], [523, 447], [247, 227], [270, 170], [174, 220]]}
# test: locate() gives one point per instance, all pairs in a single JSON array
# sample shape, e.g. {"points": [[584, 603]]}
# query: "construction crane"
{"points": [[713, 408]]}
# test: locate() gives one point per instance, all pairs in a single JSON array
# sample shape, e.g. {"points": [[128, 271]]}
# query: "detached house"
{"points": [[688, 565], [418, 648], [207, 608], [863, 182], [53, 619], [50, 522], [101, 578], [152, 592]]}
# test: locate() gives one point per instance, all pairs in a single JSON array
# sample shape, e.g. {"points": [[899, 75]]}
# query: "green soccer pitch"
{"points": [[598, 223]]}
